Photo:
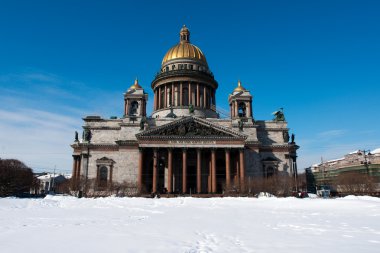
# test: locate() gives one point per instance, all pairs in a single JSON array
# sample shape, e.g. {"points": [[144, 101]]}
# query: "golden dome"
{"points": [[239, 87], [184, 49], [135, 86]]}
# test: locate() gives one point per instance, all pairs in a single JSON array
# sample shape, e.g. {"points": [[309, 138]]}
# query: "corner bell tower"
{"points": [[240, 102], [135, 102]]}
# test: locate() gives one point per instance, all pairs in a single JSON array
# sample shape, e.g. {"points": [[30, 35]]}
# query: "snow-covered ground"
{"points": [[67, 224]]}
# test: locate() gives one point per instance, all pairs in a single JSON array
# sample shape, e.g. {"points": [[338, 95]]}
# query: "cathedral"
{"points": [[184, 146]]}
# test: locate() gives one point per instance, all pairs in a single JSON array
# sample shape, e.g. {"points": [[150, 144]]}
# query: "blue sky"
{"points": [[62, 60]]}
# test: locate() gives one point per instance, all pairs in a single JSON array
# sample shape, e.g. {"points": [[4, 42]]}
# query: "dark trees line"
{"points": [[15, 178]]}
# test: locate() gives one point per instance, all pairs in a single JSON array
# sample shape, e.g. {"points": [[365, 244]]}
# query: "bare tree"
{"points": [[15, 177], [354, 183]]}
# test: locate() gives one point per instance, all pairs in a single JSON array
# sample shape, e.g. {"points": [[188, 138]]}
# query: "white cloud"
{"points": [[332, 133]]}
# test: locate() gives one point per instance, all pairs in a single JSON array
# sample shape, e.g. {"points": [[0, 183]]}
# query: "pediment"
{"points": [[191, 127]]}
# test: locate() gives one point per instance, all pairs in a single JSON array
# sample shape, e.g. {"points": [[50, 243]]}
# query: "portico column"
{"points": [[199, 156], [213, 171], [154, 170], [78, 168], [139, 177], [184, 170], [242, 169], [228, 170], [170, 170]]}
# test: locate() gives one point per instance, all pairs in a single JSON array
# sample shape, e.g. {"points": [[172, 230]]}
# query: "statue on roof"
{"points": [[241, 125], [279, 115]]}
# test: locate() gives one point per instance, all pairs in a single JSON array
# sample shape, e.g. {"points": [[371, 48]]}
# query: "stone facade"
{"points": [[184, 146]]}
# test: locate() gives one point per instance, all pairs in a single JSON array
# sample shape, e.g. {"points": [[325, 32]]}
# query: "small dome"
{"points": [[135, 86], [184, 49], [239, 87]]}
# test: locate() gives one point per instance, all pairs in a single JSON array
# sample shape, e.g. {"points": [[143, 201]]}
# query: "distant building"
{"points": [[325, 173], [51, 183]]}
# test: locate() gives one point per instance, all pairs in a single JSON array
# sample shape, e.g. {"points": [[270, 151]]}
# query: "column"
{"points": [[110, 180], [248, 111], [242, 169], [78, 169], [170, 170], [180, 94], [198, 94], [173, 91], [154, 170], [209, 176], [228, 170], [213, 171], [154, 99], [74, 169], [140, 171], [166, 97], [237, 181], [199, 170], [204, 97], [190, 102], [184, 170], [126, 107], [159, 98], [236, 109]]}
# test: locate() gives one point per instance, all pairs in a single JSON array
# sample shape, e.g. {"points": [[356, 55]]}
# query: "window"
{"points": [[242, 110], [191, 67], [269, 171], [167, 68], [103, 175], [133, 108], [173, 67]]}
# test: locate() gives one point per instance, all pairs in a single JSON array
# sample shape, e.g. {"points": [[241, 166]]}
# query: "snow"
{"points": [[265, 224], [375, 151]]}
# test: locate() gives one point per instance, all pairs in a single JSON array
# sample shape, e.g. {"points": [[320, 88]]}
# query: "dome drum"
{"points": [[185, 85]]}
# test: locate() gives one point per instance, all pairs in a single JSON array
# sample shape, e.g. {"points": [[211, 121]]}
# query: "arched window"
{"points": [[133, 108], [103, 175], [185, 98], [242, 109]]}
